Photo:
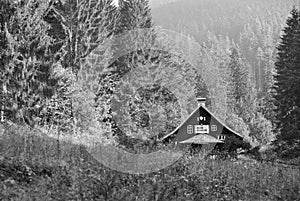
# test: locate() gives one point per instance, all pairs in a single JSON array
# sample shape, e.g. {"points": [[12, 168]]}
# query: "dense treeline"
{"points": [[254, 25]]}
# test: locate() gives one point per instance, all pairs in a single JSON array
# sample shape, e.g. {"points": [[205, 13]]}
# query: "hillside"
{"points": [[254, 25]]}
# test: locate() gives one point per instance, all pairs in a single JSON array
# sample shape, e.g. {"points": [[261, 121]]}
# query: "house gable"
{"points": [[202, 121]]}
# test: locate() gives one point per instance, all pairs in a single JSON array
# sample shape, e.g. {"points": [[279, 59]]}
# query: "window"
{"points": [[214, 127], [201, 118], [202, 129], [189, 129], [221, 137]]}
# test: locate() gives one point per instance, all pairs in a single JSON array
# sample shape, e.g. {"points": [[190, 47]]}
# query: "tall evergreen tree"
{"points": [[134, 15], [242, 100], [287, 82], [267, 59], [241, 93]]}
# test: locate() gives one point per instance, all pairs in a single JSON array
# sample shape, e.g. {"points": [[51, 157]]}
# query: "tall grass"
{"points": [[33, 167]]}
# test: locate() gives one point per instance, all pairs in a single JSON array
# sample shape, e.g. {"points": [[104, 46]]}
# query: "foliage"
{"points": [[238, 124], [143, 62], [262, 129], [133, 15], [7, 11]]}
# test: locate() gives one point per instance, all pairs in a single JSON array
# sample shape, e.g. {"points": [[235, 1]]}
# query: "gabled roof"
{"points": [[176, 129]]}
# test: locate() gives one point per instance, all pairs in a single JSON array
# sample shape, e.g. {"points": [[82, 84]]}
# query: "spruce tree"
{"points": [[287, 82], [241, 93], [133, 15], [242, 102]]}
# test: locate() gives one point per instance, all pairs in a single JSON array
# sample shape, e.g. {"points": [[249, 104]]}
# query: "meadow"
{"points": [[34, 166]]}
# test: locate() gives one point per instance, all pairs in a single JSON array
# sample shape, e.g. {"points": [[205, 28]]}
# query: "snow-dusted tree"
{"points": [[133, 15], [154, 94], [7, 10], [26, 78], [81, 30], [266, 58], [213, 69], [241, 94], [86, 24], [238, 124], [242, 101], [261, 129]]}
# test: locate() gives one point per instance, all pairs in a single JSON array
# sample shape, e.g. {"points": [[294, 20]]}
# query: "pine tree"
{"points": [[133, 15], [242, 101], [267, 60], [241, 93], [214, 71], [287, 82], [201, 90]]}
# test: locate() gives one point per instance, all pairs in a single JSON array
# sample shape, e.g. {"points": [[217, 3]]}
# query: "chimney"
{"points": [[201, 101]]}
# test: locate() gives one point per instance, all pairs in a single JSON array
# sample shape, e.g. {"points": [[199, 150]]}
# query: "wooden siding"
{"points": [[194, 120]]}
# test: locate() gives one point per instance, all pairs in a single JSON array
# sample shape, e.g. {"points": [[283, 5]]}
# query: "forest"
{"points": [[76, 74]]}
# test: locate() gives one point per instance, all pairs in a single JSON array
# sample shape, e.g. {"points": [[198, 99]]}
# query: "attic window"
{"points": [[189, 129], [221, 137], [214, 128], [201, 129]]}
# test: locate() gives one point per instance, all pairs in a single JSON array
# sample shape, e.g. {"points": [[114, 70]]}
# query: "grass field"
{"points": [[36, 167]]}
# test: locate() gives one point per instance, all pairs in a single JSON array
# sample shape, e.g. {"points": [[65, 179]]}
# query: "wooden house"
{"points": [[203, 127]]}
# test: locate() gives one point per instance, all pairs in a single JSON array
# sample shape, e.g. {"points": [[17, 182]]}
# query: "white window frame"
{"points": [[221, 137], [189, 129], [214, 127], [201, 129]]}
